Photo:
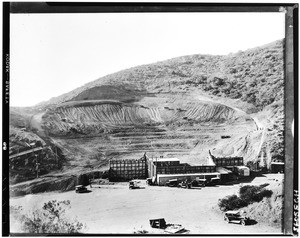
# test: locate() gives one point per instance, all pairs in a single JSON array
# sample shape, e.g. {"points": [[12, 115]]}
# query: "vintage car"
{"points": [[172, 183], [236, 217], [213, 181], [133, 184], [193, 184], [80, 189]]}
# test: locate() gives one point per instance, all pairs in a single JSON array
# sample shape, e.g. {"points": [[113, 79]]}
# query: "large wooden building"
{"points": [[124, 170], [161, 170]]}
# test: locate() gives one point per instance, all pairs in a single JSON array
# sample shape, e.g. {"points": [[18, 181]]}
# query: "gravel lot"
{"points": [[116, 209]]}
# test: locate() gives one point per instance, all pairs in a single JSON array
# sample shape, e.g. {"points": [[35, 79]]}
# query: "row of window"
{"points": [[220, 163], [184, 171], [128, 162], [193, 168], [134, 175], [128, 167]]}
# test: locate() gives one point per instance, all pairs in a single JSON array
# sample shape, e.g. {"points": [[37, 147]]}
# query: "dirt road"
{"points": [[116, 209]]}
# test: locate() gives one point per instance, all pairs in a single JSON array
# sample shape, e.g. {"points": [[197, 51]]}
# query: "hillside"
{"points": [[176, 108], [254, 76]]}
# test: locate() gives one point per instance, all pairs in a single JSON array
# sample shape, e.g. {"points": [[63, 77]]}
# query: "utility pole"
{"points": [[56, 155], [37, 166]]}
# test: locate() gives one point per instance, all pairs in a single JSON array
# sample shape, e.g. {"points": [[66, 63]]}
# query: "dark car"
{"points": [[236, 217], [80, 189], [172, 183], [184, 184], [193, 184], [213, 181], [133, 184]]}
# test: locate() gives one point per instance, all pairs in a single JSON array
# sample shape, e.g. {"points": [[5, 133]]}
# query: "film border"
{"points": [[290, 221]]}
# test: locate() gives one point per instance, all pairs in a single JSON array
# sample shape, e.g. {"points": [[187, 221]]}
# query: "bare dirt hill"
{"points": [[179, 107]]}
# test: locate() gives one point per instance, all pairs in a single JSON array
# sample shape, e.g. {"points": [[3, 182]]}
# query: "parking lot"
{"points": [[118, 209]]}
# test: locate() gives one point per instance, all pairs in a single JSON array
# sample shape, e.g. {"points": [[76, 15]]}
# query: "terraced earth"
{"points": [[183, 107]]}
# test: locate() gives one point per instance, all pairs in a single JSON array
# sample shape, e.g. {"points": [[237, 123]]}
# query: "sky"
{"points": [[52, 54]]}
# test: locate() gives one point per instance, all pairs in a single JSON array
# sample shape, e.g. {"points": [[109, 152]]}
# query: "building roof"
{"points": [[278, 163], [242, 167], [195, 174], [165, 159], [222, 170]]}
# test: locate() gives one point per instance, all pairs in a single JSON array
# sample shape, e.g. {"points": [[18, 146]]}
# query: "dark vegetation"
{"points": [[247, 195], [48, 220]]}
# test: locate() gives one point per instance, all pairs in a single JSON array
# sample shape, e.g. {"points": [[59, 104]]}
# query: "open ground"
{"points": [[116, 209]]}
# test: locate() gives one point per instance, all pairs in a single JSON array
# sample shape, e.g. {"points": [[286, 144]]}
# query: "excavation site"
{"points": [[180, 146]]}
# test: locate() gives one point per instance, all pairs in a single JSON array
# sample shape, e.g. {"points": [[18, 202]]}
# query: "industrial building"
{"points": [[123, 170], [227, 165], [161, 170], [162, 179]]}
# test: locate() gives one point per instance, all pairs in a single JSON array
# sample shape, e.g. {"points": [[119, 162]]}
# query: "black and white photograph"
{"points": [[145, 122]]}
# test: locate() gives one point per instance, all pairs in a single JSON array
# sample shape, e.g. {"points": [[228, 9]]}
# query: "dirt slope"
{"points": [[179, 107]]}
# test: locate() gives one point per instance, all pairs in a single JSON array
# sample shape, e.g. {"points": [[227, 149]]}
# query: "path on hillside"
{"points": [[259, 125]]}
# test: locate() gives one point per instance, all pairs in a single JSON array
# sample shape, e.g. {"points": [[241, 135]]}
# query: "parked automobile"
{"points": [[199, 183], [236, 217], [213, 181], [172, 183], [80, 189], [193, 184], [185, 184], [133, 184], [150, 181]]}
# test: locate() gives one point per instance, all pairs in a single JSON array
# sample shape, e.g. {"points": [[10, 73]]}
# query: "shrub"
{"points": [[252, 194], [248, 195], [50, 219], [231, 202]]}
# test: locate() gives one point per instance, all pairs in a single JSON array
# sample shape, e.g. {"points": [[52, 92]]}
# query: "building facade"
{"points": [[227, 162], [124, 170], [163, 169]]}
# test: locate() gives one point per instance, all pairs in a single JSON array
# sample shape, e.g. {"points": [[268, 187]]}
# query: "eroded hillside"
{"points": [[183, 107]]}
